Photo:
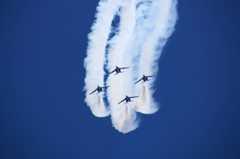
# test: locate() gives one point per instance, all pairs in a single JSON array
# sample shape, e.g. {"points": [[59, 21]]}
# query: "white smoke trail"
{"points": [[144, 28], [125, 119], [97, 105], [94, 61], [115, 58], [144, 104], [164, 15]]}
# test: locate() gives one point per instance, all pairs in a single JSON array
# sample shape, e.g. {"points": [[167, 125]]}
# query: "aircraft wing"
{"points": [[151, 76], [123, 67], [93, 91], [105, 86], [138, 81], [112, 71], [122, 101], [133, 97]]}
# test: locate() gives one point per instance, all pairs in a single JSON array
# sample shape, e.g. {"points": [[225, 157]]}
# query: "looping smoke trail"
{"points": [[94, 61], [151, 49], [143, 30], [115, 58]]}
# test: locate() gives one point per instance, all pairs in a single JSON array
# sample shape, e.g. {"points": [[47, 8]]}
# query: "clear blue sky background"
{"points": [[42, 109]]}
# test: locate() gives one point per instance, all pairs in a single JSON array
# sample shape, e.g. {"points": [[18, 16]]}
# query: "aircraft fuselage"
{"points": [[118, 70], [145, 78], [128, 99], [99, 89]]}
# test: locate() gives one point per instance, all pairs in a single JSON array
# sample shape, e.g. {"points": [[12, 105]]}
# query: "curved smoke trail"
{"points": [[94, 61], [143, 30], [161, 29], [115, 58]]}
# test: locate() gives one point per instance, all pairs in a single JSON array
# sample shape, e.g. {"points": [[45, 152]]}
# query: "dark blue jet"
{"points": [[145, 78], [118, 70], [99, 89], [128, 99]]}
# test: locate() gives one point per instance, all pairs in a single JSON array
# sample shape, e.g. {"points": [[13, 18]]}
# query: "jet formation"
{"points": [[118, 70]]}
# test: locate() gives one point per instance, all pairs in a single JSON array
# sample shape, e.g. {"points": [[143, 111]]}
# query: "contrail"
{"points": [[94, 61], [143, 30]]}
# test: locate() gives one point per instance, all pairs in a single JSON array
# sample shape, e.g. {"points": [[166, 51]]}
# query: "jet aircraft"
{"points": [[128, 99], [145, 78], [118, 70], [99, 89]]}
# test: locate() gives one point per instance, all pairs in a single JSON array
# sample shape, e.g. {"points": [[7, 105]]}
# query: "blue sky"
{"points": [[42, 108]]}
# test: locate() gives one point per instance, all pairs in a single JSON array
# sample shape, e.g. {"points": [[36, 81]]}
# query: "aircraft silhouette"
{"points": [[99, 89], [118, 70], [128, 99], [145, 78]]}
